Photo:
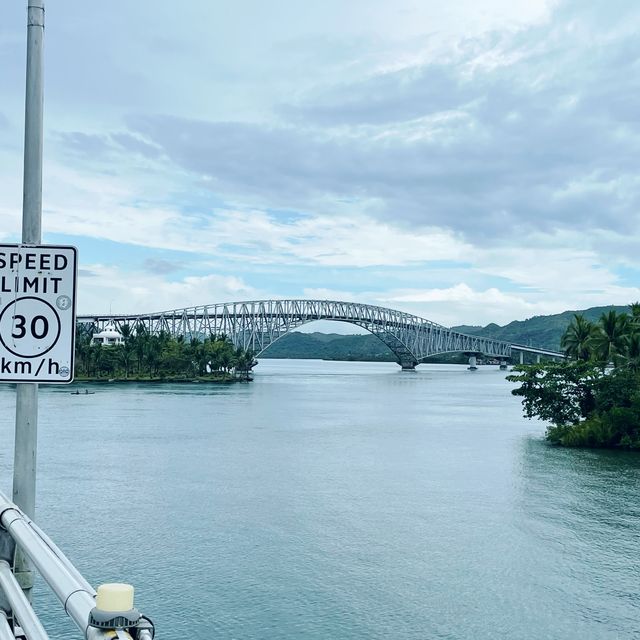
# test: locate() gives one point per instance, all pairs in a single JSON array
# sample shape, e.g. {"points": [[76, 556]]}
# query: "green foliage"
{"points": [[157, 356], [594, 400], [611, 338], [615, 418], [330, 347], [616, 389], [560, 393], [614, 339], [577, 340]]}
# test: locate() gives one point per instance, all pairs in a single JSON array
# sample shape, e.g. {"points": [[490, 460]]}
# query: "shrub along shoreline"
{"points": [[145, 357], [593, 399], [218, 378]]}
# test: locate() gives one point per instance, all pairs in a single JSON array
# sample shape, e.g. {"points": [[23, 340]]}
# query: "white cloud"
{"points": [[366, 135], [549, 271], [103, 289], [459, 293], [99, 206], [461, 304]]}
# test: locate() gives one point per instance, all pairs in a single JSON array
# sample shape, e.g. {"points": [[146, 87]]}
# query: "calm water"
{"points": [[337, 500]]}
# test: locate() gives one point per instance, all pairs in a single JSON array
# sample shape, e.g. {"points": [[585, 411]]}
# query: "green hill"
{"points": [[330, 346], [539, 331]]}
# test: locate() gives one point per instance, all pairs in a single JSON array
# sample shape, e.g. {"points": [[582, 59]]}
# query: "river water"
{"points": [[337, 500]]}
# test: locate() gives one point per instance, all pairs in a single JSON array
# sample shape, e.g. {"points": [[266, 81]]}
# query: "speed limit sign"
{"points": [[37, 313]]}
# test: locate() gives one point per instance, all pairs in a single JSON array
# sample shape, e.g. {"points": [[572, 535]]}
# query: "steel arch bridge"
{"points": [[257, 325]]}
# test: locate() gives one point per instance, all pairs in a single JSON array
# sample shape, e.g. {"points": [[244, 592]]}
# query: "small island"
{"points": [[593, 398], [125, 355]]}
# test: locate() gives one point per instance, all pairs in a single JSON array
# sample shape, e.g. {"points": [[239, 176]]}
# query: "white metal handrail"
{"points": [[20, 606], [74, 593]]}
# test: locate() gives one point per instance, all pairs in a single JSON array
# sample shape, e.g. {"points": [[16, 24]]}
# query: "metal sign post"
{"points": [[24, 463]]}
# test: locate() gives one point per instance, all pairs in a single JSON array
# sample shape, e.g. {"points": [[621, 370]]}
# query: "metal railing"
{"points": [[77, 597]]}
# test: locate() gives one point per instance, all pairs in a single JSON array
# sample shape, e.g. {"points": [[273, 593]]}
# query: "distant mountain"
{"points": [[330, 346], [539, 331]]}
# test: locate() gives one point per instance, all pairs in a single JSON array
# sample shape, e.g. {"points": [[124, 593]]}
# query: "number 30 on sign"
{"points": [[37, 313]]}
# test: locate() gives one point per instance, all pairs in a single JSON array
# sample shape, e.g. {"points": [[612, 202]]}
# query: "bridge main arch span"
{"points": [[255, 325]]}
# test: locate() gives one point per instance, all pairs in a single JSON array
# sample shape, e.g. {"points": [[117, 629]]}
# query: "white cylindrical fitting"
{"points": [[115, 596]]}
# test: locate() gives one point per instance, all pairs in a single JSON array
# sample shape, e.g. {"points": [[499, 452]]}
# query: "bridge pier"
{"points": [[503, 365], [408, 365], [522, 357], [473, 362]]}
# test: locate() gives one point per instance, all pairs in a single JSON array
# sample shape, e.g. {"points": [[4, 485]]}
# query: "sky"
{"points": [[467, 162]]}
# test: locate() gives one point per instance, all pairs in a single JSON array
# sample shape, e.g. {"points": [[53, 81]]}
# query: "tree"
{"points": [[588, 404], [160, 355], [126, 353], [95, 357], [610, 341], [560, 392], [153, 349], [632, 356], [83, 351], [140, 345], [577, 340]]}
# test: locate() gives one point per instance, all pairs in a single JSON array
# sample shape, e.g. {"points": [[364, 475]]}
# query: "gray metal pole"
{"points": [[33, 129], [24, 464]]}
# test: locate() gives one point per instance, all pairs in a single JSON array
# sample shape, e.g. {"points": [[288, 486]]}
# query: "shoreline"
{"points": [[221, 379]]}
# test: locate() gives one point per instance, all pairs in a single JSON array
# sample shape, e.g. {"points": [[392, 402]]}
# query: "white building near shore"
{"points": [[108, 336]]}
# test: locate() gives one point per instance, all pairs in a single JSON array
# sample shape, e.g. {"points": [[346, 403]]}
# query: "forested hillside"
{"points": [[329, 346], [539, 331]]}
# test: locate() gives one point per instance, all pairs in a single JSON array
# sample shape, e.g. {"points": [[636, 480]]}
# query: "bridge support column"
{"points": [[408, 365], [503, 365], [522, 357], [537, 358], [473, 363]]}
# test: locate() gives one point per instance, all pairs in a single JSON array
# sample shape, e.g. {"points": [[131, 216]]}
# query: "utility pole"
{"points": [[26, 435]]}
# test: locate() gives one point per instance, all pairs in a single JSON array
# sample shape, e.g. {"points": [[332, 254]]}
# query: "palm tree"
{"points": [[577, 340], [127, 348], [227, 359], [153, 353], [95, 357], [83, 347], [634, 318], [633, 352], [140, 345], [611, 340], [245, 361], [192, 351]]}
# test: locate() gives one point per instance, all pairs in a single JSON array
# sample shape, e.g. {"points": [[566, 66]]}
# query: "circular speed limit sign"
{"points": [[29, 327]]}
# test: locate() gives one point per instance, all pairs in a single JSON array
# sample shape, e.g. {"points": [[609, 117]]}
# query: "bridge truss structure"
{"points": [[258, 324]]}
